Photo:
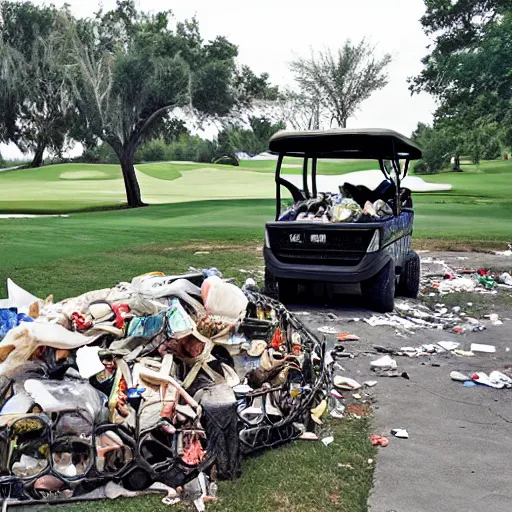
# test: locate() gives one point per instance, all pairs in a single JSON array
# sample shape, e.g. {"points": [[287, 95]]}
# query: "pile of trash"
{"points": [[448, 280], [352, 204], [164, 383]]}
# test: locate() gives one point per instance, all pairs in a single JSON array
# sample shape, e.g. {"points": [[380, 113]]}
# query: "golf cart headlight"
{"points": [[267, 240], [375, 242]]}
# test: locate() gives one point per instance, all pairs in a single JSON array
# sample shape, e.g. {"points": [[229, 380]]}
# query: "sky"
{"points": [[271, 33]]}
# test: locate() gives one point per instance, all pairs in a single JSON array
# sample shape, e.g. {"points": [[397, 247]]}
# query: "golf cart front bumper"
{"points": [[370, 265]]}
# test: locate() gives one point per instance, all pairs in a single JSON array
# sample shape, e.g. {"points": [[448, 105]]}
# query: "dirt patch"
{"points": [[202, 247], [436, 244]]}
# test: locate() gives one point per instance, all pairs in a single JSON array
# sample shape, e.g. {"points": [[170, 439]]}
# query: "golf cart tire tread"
{"points": [[409, 284], [379, 291]]}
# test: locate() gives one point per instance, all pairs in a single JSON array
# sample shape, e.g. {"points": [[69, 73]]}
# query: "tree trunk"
{"points": [[37, 161], [456, 164], [131, 184]]}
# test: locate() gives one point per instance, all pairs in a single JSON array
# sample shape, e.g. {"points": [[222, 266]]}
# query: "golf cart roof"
{"points": [[375, 143]]}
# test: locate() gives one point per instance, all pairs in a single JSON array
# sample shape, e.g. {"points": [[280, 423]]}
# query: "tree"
{"points": [[343, 80], [130, 69], [469, 71], [44, 107], [437, 148]]}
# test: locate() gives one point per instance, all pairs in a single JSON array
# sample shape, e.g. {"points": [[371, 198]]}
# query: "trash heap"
{"points": [[449, 280], [164, 383], [352, 204]]}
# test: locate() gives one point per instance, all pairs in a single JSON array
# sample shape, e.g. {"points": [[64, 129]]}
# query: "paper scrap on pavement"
{"points": [[448, 345], [478, 347]]}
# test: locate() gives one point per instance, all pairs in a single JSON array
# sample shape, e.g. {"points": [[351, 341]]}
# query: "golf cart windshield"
{"points": [[386, 146]]}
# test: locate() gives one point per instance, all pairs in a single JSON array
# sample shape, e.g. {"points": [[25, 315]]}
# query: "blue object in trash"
{"points": [[8, 320], [469, 384], [24, 318], [209, 272]]}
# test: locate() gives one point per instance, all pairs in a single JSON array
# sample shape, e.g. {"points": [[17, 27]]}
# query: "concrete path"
{"points": [[457, 458]]}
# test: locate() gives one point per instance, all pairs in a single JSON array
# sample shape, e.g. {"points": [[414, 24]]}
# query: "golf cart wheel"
{"points": [[288, 290], [409, 284], [379, 291], [271, 285]]}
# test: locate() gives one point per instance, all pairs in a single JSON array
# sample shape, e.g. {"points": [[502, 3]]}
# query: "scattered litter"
{"points": [[461, 284], [309, 436], [494, 318], [460, 377], [345, 336], [495, 379], [200, 253], [327, 330], [462, 353], [378, 441], [448, 345], [506, 279], [328, 440], [357, 396], [478, 347], [469, 384], [370, 383], [346, 383], [401, 433], [345, 466], [384, 363]]}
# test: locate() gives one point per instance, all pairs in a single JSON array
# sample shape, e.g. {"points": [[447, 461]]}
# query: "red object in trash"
{"points": [[122, 311], [475, 376], [79, 322], [277, 340], [379, 440], [482, 272], [449, 276], [458, 330]]}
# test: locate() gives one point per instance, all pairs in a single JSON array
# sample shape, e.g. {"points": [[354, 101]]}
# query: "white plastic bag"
{"points": [[223, 299]]}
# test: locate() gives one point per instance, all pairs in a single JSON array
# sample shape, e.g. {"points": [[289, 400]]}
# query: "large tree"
{"points": [[469, 69], [43, 109], [342, 80], [133, 68]]}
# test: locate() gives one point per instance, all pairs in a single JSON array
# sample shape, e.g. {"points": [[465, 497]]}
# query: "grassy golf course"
{"points": [[221, 211]]}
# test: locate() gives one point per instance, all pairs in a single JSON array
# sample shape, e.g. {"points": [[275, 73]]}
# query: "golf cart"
{"points": [[357, 236]]}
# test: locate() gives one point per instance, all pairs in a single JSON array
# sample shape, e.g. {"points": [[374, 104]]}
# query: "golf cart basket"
{"points": [[299, 251], [342, 143]]}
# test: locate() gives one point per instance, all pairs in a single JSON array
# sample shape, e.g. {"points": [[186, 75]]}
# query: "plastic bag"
{"points": [[8, 320], [223, 299], [347, 211], [59, 395]]}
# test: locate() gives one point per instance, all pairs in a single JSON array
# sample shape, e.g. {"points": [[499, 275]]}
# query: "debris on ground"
{"points": [[460, 377], [378, 441], [409, 317], [401, 433], [478, 347], [166, 380]]}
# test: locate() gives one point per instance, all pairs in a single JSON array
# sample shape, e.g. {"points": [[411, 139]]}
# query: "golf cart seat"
{"points": [[385, 191]]}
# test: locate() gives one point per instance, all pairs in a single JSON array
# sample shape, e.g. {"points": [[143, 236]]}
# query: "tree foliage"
{"points": [[43, 107], [339, 82], [469, 71]]}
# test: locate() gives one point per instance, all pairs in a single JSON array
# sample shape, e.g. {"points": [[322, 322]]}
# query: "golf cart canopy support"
{"points": [[364, 144]]}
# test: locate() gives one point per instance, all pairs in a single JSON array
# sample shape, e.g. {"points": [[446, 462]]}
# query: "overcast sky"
{"points": [[269, 33]]}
